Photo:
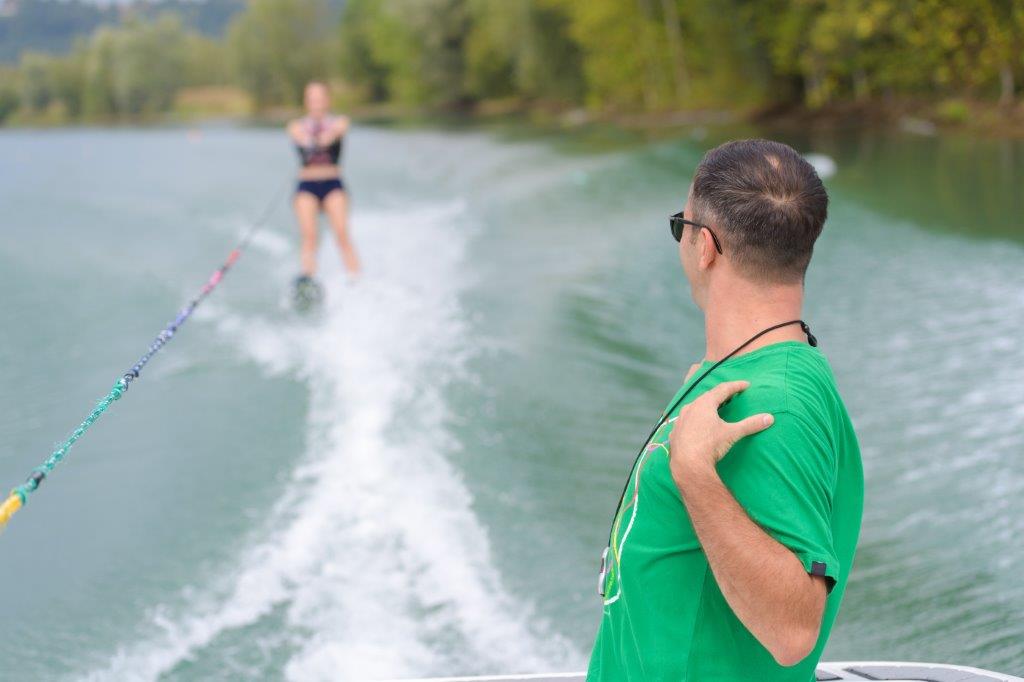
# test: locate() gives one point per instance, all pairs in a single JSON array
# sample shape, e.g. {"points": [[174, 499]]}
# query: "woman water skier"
{"points": [[318, 136]]}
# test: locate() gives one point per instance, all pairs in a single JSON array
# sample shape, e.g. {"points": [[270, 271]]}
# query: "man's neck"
{"points": [[733, 315]]}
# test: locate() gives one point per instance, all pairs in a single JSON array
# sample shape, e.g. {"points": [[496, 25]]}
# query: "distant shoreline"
{"points": [[983, 118], [921, 117]]}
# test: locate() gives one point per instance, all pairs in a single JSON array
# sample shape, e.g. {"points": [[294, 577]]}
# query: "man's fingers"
{"points": [[751, 425], [726, 390]]}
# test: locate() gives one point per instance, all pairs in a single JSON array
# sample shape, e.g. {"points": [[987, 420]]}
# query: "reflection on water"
{"points": [[918, 309], [423, 482], [954, 183]]}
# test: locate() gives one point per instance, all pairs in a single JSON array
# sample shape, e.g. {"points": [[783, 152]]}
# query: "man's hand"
{"points": [[764, 582], [700, 437]]}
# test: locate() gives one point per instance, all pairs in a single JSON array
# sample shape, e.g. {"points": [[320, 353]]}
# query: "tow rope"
{"points": [[19, 495]]}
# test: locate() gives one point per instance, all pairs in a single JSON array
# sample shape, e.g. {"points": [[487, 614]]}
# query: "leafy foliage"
{"points": [[276, 46], [129, 71], [652, 55], [608, 55], [53, 26]]}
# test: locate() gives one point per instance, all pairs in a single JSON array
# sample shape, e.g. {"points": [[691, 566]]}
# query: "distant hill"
{"points": [[52, 25]]}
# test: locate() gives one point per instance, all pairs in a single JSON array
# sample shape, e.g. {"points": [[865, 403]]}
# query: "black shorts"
{"points": [[320, 188]]}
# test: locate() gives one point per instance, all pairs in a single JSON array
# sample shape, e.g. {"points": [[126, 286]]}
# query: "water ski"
{"points": [[307, 293]]}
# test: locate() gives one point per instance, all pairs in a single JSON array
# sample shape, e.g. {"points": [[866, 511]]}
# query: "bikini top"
{"points": [[314, 154]]}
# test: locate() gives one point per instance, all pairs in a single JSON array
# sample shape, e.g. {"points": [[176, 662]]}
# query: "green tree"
{"points": [[36, 92], [67, 81], [357, 58], [148, 66], [619, 42], [277, 46], [522, 48], [99, 63], [205, 61], [9, 99], [411, 51]]}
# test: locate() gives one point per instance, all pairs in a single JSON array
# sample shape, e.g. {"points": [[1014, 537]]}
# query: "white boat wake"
{"points": [[372, 564]]}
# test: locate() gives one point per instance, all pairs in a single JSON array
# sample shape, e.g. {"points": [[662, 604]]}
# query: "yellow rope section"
{"points": [[7, 509]]}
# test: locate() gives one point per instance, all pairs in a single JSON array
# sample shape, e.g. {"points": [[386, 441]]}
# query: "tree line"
{"points": [[609, 56], [52, 25], [143, 66]]}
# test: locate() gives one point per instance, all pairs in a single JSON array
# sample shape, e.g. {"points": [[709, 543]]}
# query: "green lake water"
{"points": [[419, 480]]}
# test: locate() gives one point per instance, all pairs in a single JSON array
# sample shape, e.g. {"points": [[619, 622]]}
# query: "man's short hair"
{"points": [[767, 203]]}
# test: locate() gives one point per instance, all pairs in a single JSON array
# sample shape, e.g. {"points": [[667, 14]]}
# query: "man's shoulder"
{"points": [[798, 382], [769, 379], [811, 388], [766, 393]]}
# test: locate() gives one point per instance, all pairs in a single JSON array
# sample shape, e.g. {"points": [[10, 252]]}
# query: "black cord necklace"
{"points": [[810, 340]]}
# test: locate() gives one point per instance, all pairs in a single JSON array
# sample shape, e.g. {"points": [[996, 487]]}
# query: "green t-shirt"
{"points": [[800, 480]]}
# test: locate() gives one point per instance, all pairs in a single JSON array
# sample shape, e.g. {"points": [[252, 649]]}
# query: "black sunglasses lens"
{"points": [[677, 228]]}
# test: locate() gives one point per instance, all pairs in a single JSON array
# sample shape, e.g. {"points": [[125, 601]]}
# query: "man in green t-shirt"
{"points": [[732, 544]]}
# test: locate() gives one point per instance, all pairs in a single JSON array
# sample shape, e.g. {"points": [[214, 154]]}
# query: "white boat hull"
{"points": [[891, 671]]}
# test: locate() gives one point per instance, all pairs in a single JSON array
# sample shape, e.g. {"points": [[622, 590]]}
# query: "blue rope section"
{"points": [[19, 495]]}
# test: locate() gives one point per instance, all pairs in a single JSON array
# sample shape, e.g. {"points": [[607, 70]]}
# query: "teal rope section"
{"points": [[40, 472]]}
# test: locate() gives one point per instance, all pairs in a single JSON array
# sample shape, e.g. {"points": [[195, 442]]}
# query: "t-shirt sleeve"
{"points": [[784, 478]]}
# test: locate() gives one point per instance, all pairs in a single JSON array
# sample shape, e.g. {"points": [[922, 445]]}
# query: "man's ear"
{"points": [[708, 252]]}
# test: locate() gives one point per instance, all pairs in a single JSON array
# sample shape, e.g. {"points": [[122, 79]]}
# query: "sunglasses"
{"points": [[677, 223]]}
